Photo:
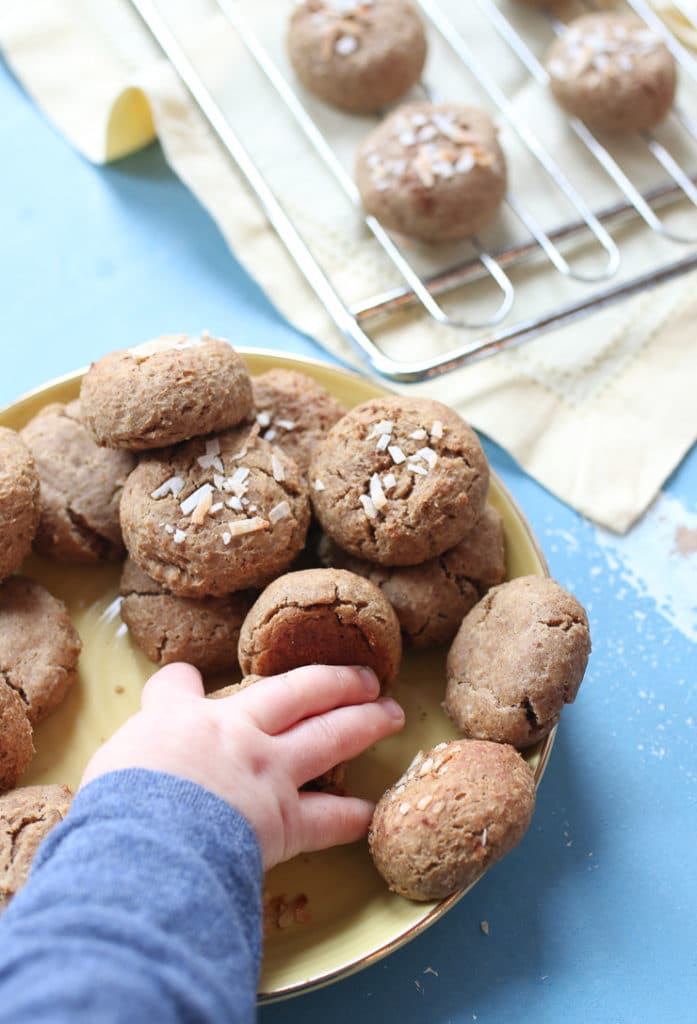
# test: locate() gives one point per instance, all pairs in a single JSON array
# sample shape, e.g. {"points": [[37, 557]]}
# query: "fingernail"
{"points": [[369, 679], [393, 709]]}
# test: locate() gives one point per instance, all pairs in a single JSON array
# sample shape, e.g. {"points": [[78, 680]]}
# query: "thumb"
{"points": [[172, 683]]}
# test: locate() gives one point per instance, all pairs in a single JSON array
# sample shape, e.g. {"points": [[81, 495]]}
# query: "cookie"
{"points": [[215, 515], [399, 480], [202, 632], [26, 817], [431, 599], [294, 412], [458, 809], [321, 617], [16, 746], [358, 55], [435, 172], [39, 647], [613, 72], [165, 391], [19, 501], [81, 488], [518, 657]]}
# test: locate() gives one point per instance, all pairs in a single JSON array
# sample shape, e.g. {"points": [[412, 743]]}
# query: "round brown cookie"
{"points": [[216, 514], [458, 809], [26, 817], [39, 647], [202, 632], [358, 55], [432, 171], [519, 656], [19, 501], [294, 412], [16, 746], [165, 391], [431, 599], [81, 487], [399, 480], [321, 617], [613, 72]]}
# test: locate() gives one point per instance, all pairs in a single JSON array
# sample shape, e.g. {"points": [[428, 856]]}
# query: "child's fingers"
{"points": [[317, 744], [279, 702], [326, 821], [171, 682]]}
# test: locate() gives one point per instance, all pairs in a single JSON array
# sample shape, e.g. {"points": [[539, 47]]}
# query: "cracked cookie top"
{"points": [[39, 646], [27, 815], [19, 501], [81, 487], [165, 391], [215, 515], [321, 617], [16, 746], [518, 657], [202, 632], [399, 480]]}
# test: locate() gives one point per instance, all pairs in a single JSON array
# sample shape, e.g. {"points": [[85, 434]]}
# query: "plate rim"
{"points": [[443, 906]]}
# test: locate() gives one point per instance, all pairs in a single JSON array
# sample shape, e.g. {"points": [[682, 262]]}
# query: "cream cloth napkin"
{"points": [[599, 412]]}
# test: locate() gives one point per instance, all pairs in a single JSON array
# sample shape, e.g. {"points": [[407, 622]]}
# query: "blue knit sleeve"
{"points": [[143, 905]]}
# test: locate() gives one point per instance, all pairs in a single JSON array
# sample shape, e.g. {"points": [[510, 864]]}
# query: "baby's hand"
{"points": [[256, 747]]}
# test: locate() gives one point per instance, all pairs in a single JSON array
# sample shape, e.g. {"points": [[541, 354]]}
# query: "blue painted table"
{"points": [[593, 917]]}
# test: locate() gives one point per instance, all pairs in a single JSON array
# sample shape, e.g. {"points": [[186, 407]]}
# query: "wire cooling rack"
{"points": [[477, 335]]}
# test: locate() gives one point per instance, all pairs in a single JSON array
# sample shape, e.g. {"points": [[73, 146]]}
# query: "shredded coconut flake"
{"points": [[235, 503], [318, 485], [368, 506], [389, 481], [226, 538], [437, 429], [237, 483], [404, 808], [383, 427], [285, 424], [202, 509], [242, 526], [263, 419], [179, 537], [280, 511], [216, 507], [174, 486], [200, 494], [377, 495], [169, 528], [397, 454], [345, 45], [416, 467], [427, 455], [418, 435], [277, 469], [167, 343], [383, 442], [270, 434]]}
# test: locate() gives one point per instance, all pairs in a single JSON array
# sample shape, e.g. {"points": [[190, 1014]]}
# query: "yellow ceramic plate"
{"points": [[354, 920]]}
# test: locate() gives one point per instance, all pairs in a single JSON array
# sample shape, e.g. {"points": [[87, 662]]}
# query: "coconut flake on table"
{"points": [[188, 505], [278, 512], [174, 486]]}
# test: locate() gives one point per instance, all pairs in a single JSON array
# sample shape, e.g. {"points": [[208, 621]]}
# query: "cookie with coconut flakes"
{"points": [[294, 412], [215, 515], [358, 55], [19, 501], [39, 646], [203, 632], [612, 71], [432, 171], [81, 486], [432, 599], [321, 617], [399, 480], [165, 391], [27, 815]]}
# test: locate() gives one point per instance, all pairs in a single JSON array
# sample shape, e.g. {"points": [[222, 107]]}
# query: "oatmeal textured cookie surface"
{"points": [[432, 171], [518, 657], [26, 817], [612, 71], [321, 616], [215, 515], [16, 746], [19, 501], [359, 55], [39, 647], [202, 632], [432, 599], [294, 412], [457, 810], [399, 480], [81, 487], [165, 391]]}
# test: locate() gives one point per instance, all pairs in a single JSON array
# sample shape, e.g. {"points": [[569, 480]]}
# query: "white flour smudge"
{"points": [[655, 561]]}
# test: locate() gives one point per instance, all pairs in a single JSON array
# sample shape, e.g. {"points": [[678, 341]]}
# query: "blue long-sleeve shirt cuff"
{"points": [[143, 905]]}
